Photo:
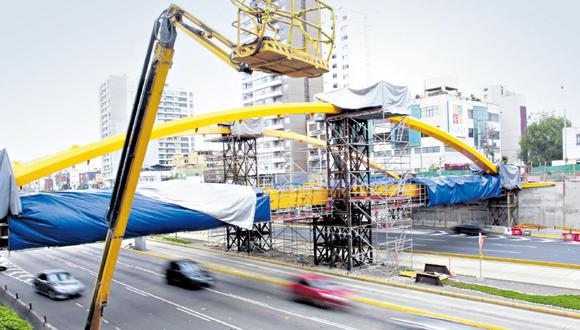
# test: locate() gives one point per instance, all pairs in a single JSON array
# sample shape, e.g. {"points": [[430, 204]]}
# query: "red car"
{"points": [[318, 290]]}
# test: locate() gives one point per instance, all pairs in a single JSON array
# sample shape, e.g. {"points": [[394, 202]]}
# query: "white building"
{"points": [[571, 145], [281, 160], [349, 62], [474, 122], [349, 66], [116, 96], [512, 107]]}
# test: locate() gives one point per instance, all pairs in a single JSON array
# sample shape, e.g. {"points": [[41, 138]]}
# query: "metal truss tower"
{"points": [[241, 167], [344, 238]]}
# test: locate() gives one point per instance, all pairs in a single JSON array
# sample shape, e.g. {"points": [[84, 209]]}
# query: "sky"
{"points": [[56, 54]]}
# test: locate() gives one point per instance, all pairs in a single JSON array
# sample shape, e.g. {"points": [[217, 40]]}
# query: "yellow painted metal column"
{"points": [[116, 232]]}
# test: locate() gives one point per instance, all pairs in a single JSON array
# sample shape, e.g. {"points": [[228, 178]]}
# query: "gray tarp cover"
{"points": [[392, 98], [510, 176], [9, 199]]}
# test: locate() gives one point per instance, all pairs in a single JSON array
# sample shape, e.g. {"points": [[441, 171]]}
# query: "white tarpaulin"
{"points": [[248, 128], [232, 204], [9, 200], [393, 99]]}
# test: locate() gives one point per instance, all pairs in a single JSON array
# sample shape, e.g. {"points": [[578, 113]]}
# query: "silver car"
{"points": [[58, 284]]}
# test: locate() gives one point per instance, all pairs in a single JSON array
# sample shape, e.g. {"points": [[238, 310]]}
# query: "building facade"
{"points": [[349, 66], [475, 122], [571, 145], [279, 160], [512, 107], [116, 96]]}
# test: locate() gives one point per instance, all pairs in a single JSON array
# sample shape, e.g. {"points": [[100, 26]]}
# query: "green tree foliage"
{"points": [[543, 140]]}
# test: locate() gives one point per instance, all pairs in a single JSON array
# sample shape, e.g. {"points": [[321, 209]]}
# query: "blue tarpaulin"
{"points": [[446, 190], [71, 218]]}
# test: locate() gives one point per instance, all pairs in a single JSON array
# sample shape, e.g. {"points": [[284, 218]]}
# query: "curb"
{"points": [[523, 306], [500, 259]]}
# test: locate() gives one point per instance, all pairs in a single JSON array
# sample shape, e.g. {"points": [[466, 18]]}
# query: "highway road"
{"points": [[505, 246], [141, 299]]}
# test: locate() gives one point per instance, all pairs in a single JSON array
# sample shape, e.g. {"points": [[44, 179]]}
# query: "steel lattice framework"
{"points": [[241, 167], [345, 237]]}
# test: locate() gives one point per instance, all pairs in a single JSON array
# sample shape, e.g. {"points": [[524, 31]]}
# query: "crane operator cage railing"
{"points": [[285, 37]]}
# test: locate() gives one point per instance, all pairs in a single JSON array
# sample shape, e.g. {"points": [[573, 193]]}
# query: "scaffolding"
{"points": [[370, 220], [241, 167], [504, 210]]}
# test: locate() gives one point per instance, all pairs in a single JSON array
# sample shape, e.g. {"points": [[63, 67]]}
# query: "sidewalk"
{"points": [[533, 274]]}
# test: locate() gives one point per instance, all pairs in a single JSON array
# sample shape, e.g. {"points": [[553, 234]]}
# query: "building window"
{"points": [[493, 117], [344, 18], [431, 111], [470, 134], [334, 75], [578, 139], [470, 113]]}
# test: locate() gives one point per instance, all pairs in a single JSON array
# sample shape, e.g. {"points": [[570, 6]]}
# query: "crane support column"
{"points": [[150, 89]]}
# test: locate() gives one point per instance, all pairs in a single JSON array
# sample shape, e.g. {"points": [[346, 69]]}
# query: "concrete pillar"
{"points": [[140, 244]]}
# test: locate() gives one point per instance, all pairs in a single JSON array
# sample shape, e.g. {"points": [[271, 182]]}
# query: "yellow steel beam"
{"points": [[450, 140], [27, 172]]}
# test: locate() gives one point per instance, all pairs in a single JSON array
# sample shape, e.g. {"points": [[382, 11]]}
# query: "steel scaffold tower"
{"points": [[241, 167], [344, 238]]}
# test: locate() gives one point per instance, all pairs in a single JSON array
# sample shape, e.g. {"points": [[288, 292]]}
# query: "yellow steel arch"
{"points": [[450, 140], [27, 172], [40, 167]]}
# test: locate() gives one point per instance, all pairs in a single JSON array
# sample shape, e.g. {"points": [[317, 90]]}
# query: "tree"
{"points": [[542, 141]]}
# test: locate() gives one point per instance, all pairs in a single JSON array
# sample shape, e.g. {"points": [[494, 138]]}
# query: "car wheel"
{"points": [[51, 294]]}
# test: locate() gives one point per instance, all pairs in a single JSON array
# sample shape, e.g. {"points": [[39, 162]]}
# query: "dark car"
{"points": [[58, 284], [472, 230], [187, 273], [318, 290]]}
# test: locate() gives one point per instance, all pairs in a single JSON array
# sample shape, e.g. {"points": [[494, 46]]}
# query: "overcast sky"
{"points": [[56, 53]]}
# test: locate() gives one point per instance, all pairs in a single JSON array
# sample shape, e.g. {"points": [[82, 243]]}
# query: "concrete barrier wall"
{"points": [[551, 206], [449, 216]]}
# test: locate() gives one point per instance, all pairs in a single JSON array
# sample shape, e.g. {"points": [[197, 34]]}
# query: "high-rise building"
{"points": [[512, 107], [116, 96], [281, 160], [348, 67], [475, 122]]}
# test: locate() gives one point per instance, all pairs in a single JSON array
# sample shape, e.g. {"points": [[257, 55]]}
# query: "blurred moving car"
{"points": [[470, 230], [187, 273], [318, 290], [57, 284]]}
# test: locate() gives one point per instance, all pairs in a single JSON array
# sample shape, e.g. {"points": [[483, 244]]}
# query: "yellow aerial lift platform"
{"points": [[282, 37]]}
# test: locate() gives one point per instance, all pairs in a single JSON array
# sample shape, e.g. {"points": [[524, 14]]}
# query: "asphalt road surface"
{"points": [[505, 246], [141, 299]]}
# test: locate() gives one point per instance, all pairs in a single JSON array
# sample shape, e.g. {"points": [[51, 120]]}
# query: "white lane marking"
{"points": [[259, 303], [117, 328], [503, 251], [422, 325], [428, 239], [439, 232], [458, 235], [79, 305], [192, 314], [519, 238], [125, 264], [511, 245], [136, 291], [158, 298], [104, 320]]}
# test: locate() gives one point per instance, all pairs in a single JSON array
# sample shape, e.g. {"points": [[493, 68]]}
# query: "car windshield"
{"points": [[189, 267], [59, 277]]}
